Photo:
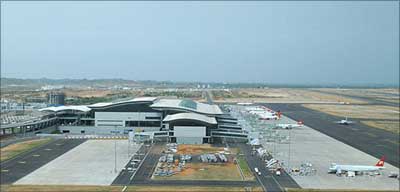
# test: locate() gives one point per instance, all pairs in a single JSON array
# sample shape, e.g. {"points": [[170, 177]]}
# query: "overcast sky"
{"points": [[271, 42]]}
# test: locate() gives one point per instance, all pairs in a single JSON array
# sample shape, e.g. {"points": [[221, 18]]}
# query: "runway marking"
{"points": [[123, 189], [36, 155], [58, 144], [47, 149], [4, 170], [22, 162]]}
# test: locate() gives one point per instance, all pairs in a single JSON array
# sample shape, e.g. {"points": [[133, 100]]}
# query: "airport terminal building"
{"points": [[175, 120]]}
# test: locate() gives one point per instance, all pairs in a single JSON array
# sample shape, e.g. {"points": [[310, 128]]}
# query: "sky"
{"points": [[316, 42]]}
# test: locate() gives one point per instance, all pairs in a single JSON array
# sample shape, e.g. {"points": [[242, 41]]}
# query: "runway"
{"points": [[22, 165], [370, 100], [370, 140]]}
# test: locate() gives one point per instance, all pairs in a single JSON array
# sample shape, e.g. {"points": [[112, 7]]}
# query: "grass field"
{"points": [[13, 150], [77, 188], [206, 171], [358, 111], [392, 126], [60, 188], [280, 95], [189, 188]]}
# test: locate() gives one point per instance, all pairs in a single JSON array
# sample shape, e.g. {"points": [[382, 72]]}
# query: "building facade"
{"points": [[175, 120]]}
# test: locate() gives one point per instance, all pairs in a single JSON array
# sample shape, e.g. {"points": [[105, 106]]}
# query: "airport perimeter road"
{"points": [[268, 180], [370, 140], [20, 166], [145, 171], [209, 97]]}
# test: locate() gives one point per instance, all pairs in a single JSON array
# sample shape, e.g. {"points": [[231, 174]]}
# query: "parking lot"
{"points": [[95, 162]]}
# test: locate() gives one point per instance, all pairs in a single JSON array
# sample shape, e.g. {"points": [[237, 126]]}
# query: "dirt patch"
{"points": [[191, 188], [206, 171], [198, 149]]}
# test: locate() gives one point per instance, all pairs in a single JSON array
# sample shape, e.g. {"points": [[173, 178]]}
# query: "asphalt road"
{"points": [[269, 181], [125, 176], [209, 97], [375, 142], [23, 164]]}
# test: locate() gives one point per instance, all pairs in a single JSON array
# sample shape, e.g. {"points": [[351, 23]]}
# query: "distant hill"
{"points": [[14, 82]]}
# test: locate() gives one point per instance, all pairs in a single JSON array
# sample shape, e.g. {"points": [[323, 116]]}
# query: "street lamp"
{"points": [[290, 138], [115, 149]]}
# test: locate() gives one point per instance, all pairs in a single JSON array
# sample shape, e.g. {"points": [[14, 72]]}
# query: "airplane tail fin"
{"points": [[381, 162], [300, 122]]}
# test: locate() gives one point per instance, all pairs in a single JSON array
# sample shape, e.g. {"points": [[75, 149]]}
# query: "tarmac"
{"points": [[375, 142], [23, 164], [307, 145], [95, 162], [126, 175]]}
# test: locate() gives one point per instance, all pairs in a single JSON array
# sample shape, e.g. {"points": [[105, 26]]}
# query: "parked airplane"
{"points": [[344, 122], [289, 126], [356, 169]]}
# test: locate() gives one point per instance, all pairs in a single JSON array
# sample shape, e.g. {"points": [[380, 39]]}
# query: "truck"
{"points": [[257, 171]]}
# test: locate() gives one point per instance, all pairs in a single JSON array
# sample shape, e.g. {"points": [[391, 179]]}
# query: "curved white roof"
{"points": [[82, 108], [191, 116], [138, 99], [176, 104]]}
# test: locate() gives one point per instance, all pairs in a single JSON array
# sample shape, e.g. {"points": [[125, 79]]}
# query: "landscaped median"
{"points": [[13, 150], [247, 174]]}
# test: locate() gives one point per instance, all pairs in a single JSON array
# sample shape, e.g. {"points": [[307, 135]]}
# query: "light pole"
{"points": [[115, 149], [290, 138], [129, 143]]}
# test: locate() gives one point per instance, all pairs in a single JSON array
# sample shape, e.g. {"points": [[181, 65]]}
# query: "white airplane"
{"points": [[267, 116], [356, 169], [344, 122], [289, 126]]}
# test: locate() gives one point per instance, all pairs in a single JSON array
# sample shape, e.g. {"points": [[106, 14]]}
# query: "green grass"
{"points": [[248, 175]]}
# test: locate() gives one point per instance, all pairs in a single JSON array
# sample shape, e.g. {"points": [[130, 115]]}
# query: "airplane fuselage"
{"points": [[287, 126], [353, 168]]}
